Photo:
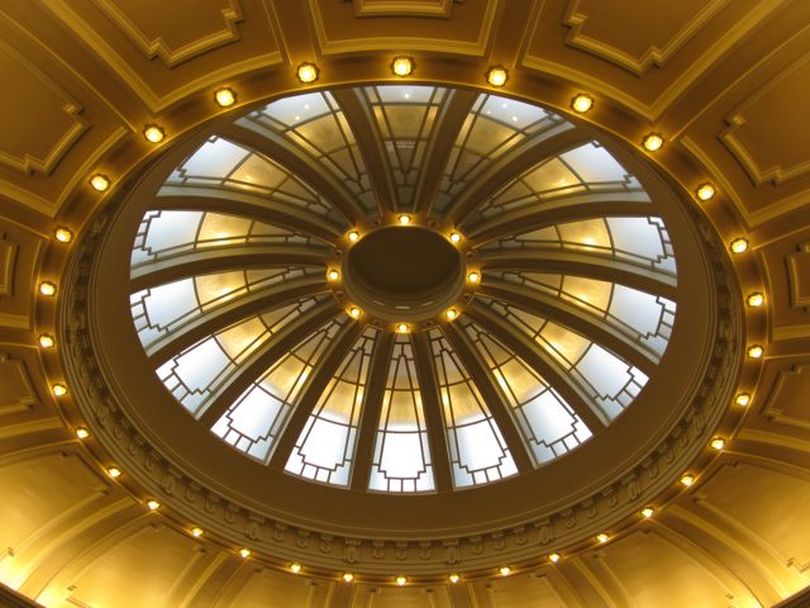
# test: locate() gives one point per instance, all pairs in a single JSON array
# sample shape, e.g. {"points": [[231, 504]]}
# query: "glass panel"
{"points": [[406, 119], [643, 317], [494, 126], [316, 124], [325, 448], [401, 459], [160, 310], [163, 234], [478, 452], [548, 424], [259, 416], [639, 240], [194, 375], [250, 172], [588, 168], [609, 382]]}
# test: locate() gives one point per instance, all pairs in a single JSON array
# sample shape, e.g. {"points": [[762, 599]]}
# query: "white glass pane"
{"points": [[215, 158]]}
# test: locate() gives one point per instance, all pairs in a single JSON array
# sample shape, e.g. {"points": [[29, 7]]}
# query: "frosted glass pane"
{"points": [[326, 444], [291, 110], [172, 228], [171, 301], [391, 94], [398, 455], [606, 373], [594, 164], [636, 235], [255, 413], [549, 418], [215, 159], [512, 112], [477, 446]]}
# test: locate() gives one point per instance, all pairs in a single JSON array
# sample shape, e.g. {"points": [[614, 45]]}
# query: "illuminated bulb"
{"points": [[647, 512], [687, 480], [401, 580], [353, 236], [404, 219], [152, 504], [348, 577], [705, 191], [755, 299], [63, 235], [355, 312], [295, 567], [743, 399], [451, 313], [82, 433], [154, 133], [114, 472], [474, 277], [225, 97], [403, 328], [505, 570], [718, 443], [554, 558], [333, 275], [602, 538], [454, 578], [653, 142], [307, 72], [497, 76], [582, 103], [46, 341], [59, 390], [402, 66], [739, 245], [244, 553], [100, 182], [46, 288], [455, 237], [755, 352], [197, 532]]}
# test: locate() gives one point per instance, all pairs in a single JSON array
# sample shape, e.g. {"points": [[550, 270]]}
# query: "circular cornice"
{"points": [[563, 523]]}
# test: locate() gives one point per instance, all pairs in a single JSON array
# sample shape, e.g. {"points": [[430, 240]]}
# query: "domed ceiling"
{"points": [[481, 263]]}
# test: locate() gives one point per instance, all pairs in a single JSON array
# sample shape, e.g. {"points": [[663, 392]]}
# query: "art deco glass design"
{"points": [[573, 313]]}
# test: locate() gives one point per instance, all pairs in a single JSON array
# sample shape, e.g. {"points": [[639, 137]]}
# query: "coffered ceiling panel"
{"points": [[787, 402], [400, 8], [19, 255]]}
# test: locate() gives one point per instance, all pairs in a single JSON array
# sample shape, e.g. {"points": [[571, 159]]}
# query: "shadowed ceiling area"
{"points": [[405, 303]]}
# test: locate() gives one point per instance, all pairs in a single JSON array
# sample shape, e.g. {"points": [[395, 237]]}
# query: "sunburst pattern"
{"points": [[574, 311]]}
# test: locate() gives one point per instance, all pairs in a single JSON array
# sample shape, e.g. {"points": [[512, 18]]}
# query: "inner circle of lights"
{"points": [[569, 384], [566, 315]]}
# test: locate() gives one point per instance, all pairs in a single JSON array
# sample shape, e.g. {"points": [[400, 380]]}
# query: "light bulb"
{"points": [[46, 341], [196, 532], [154, 133], [497, 76], [307, 72], [505, 570], [743, 399], [474, 277], [404, 219], [353, 236], [295, 567], [152, 504], [602, 538], [402, 66], [653, 142], [582, 103], [114, 472], [717, 443], [333, 275], [755, 352], [687, 480], [244, 553], [705, 191], [59, 390], [100, 182], [739, 245], [47, 289], [225, 97], [63, 235], [647, 512], [82, 433], [755, 299]]}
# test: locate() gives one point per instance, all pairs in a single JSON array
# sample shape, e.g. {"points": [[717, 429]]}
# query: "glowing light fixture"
{"points": [[404, 219], [687, 479], [114, 472], [582, 103], [225, 97], [705, 191], [455, 237], [554, 557], [717, 443], [454, 578], [355, 312], [755, 299], [402, 66], [63, 235], [307, 73], [196, 532], [505, 571], [244, 553], [46, 341], [403, 328], [755, 352], [348, 577], [474, 277], [154, 133], [333, 275], [647, 512], [295, 567], [401, 581], [450, 314], [59, 390], [602, 538], [353, 236], [47, 289], [743, 399], [653, 142], [100, 182], [497, 76], [152, 504], [739, 245], [82, 433]]}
